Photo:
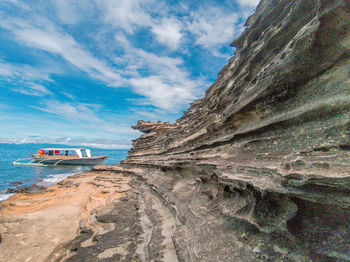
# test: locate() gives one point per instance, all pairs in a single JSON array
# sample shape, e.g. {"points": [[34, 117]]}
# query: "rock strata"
{"points": [[259, 168]]}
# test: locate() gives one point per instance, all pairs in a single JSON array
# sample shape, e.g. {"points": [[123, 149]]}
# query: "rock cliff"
{"points": [[259, 168]]}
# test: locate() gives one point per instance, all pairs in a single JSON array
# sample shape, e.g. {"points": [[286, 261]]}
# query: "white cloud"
{"points": [[26, 72], [11, 1], [72, 12], [164, 94], [167, 85], [125, 14], [212, 27], [249, 3], [49, 38], [6, 70], [33, 89], [70, 96], [24, 79], [72, 141], [163, 81], [163, 65], [168, 88], [168, 32], [68, 48], [67, 12], [130, 15], [84, 114], [122, 41], [152, 114], [71, 111]]}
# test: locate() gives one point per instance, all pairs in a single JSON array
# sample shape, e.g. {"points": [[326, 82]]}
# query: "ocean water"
{"points": [[11, 174]]}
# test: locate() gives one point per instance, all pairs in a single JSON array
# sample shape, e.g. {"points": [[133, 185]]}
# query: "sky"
{"points": [[82, 72]]}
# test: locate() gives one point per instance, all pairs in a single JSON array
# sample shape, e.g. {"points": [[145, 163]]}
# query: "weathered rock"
{"points": [[16, 183], [147, 127], [114, 168], [32, 189], [264, 153]]}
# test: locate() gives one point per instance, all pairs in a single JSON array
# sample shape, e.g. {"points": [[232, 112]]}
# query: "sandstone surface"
{"points": [[257, 170], [40, 226]]}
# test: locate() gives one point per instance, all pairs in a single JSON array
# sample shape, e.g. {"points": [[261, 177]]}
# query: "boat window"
{"points": [[66, 152], [83, 152], [50, 153]]}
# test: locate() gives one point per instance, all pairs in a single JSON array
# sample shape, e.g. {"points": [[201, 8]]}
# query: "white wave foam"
{"points": [[54, 179], [5, 196]]}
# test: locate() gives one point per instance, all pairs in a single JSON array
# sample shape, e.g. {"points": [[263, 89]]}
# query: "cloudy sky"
{"points": [[83, 71]]}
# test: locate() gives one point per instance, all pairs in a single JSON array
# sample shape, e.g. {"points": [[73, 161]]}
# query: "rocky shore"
{"points": [[102, 215], [257, 170]]}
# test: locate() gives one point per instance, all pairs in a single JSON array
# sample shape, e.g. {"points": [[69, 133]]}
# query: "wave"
{"points": [[54, 179], [5, 196]]}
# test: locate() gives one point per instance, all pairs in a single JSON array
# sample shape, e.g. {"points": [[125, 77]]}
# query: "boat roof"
{"points": [[63, 149]]}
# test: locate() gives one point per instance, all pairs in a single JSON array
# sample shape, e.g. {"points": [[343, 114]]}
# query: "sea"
{"points": [[14, 176]]}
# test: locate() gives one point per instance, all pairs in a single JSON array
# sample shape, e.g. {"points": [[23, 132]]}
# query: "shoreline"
{"points": [[51, 180], [105, 213], [4, 196], [38, 221]]}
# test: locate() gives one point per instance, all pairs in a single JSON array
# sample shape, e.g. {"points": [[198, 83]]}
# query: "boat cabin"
{"points": [[60, 152]]}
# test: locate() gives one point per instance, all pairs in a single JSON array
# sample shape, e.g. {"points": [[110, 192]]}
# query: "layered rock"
{"points": [[259, 168]]}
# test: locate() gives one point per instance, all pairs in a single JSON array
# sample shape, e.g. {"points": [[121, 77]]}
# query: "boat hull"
{"points": [[78, 161]]}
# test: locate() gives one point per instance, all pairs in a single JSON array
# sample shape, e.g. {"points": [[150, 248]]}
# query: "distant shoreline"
{"points": [[92, 146]]}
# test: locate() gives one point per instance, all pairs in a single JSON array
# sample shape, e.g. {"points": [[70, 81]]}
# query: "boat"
{"points": [[63, 156]]}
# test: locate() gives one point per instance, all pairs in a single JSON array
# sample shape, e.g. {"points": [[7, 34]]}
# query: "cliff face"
{"points": [[259, 168]]}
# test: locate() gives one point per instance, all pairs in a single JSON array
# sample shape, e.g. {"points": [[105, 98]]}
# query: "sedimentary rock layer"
{"points": [[259, 168]]}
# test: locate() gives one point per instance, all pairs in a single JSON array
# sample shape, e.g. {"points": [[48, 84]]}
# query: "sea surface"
{"points": [[12, 176]]}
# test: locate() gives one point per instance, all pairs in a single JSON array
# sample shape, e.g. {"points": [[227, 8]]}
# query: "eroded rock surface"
{"points": [[259, 168], [135, 227], [103, 215]]}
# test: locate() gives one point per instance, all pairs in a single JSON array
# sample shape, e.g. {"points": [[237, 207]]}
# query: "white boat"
{"points": [[64, 156]]}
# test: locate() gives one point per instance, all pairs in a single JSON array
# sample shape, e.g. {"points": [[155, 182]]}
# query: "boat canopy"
{"points": [[78, 151]]}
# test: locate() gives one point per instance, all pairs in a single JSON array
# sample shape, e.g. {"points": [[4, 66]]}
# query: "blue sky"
{"points": [[82, 72]]}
